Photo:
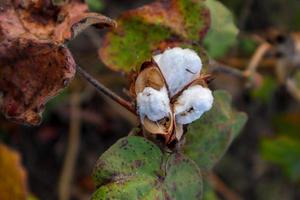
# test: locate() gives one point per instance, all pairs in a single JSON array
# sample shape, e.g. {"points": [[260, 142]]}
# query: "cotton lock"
{"points": [[153, 104], [170, 92], [179, 67], [192, 103]]}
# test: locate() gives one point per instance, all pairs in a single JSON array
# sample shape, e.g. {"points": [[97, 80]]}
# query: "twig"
{"points": [[101, 88], [216, 67], [220, 187], [293, 89], [256, 58], [65, 182]]}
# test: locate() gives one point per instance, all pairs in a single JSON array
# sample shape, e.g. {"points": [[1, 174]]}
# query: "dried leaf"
{"points": [[71, 28], [29, 81], [34, 63], [12, 175]]}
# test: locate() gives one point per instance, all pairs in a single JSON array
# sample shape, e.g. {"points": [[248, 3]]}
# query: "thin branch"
{"points": [[67, 173], [216, 67], [293, 89], [256, 59], [221, 187], [101, 88]]}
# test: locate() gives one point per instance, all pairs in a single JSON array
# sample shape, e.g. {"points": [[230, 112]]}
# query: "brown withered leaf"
{"points": [[72, 27], [34, 63], [12, 175], [31, 73]]}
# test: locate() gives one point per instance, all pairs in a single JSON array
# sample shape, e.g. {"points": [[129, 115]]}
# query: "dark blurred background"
{"points": [[262, 163]]}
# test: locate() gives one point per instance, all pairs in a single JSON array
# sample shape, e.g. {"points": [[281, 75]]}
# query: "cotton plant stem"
{"points": [[67, 173], [293, 89], [221, 187], [101, 88], [216, 67], [256, 59]]}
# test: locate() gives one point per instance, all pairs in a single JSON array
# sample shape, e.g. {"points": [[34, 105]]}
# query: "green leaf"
{"points": [[223, 32], [208, 191], [208, 138], [59, 2], [95, 5], [131, 44], [135, 168], [287, 124], [296, 78], [266, 91], [151, 28], [285, 152]]}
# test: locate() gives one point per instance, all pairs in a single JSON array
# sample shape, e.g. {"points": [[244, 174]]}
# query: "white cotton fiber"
{"points": [[179, 67], [192, 103], [153, 103]]}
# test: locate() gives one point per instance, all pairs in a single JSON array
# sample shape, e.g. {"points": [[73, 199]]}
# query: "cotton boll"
{"points": [[154, 104], [179, 67], [192, 103]]}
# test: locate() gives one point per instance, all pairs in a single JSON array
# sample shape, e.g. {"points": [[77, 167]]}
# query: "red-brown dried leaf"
{"points": [[31, 73], [34, 63], [72, 27], [10, 25]]}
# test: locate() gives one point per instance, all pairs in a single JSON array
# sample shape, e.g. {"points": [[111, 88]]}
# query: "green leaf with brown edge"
{"points": [[223, 32], [135, 168], [142, 31], [208, 138]]}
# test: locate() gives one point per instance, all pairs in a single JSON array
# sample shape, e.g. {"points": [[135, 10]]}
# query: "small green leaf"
{"points": [[95, 5], [208, 138], [208, 191], [296, 78], [287, 124], [285, 152], [266, 91], [223, 32], [135, 168], [59, 2]]}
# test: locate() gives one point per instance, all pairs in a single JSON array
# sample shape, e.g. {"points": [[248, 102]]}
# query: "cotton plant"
{"points": [[170, 93]]}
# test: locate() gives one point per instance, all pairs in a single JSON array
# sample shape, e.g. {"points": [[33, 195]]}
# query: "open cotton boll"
{"points": [[154, 104], [179, 67], [192, 103]]}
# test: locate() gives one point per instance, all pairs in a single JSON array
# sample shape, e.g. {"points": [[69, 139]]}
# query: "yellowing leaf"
{"points": [[12, 175]]}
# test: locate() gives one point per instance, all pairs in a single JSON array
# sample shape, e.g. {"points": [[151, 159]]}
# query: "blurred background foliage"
{"points": [[262, 163]]}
